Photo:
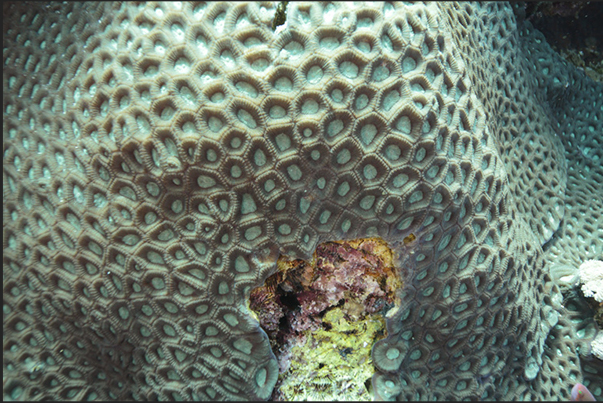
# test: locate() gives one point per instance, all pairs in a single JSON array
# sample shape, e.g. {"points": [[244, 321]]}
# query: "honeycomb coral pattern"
{"points": [[158, 158]]}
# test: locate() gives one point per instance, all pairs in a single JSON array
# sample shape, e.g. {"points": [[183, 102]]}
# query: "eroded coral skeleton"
{"points": [[159, 158]]}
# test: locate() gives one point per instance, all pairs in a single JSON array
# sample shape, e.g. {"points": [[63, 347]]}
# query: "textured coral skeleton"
{"points": [[159, 158]]}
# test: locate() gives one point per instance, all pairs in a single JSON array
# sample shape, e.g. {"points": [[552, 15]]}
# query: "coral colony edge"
{"points": [[232, 201]]}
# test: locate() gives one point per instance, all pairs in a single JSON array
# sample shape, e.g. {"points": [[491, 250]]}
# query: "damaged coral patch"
{"points": [[323, 317]]}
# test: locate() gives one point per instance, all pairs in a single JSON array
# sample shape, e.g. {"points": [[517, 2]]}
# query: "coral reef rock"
{"points": [[160, 157]]}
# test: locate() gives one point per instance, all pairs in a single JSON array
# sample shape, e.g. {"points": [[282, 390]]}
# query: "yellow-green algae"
{"points": [[334, 364]]}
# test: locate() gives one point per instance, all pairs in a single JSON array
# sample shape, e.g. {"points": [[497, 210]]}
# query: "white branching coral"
{"points": [[591, 278]]}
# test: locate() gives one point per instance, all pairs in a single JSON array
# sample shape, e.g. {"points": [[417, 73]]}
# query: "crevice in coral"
{"points": [[323, 316]]}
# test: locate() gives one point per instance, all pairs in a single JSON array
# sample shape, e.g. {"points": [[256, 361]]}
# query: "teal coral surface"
{"points": [[159, 158]]}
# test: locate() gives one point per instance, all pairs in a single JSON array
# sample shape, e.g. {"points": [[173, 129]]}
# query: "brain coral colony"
{"points": [[377, 200]]}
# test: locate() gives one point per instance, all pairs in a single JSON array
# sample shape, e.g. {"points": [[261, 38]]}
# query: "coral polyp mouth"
{"points": [[322, 318]]}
